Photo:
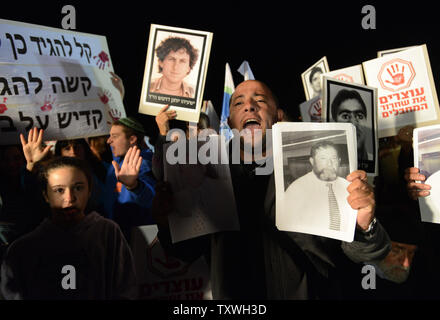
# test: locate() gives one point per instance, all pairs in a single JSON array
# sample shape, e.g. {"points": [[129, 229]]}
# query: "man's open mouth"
{"points": [[252, 124]]}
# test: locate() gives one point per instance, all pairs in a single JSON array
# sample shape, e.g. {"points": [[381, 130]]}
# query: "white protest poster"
{"points": [[202, 188], [175, 71], [162, 277], [311, 161], [356, 104], [383, 53], [311, 78], [57, 80], [311, 110], [426, 141], [406, 90], [352, 74]]}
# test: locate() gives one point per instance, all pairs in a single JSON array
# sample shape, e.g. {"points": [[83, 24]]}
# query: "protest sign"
{"points": [[406, 90], [352, 74], [426, 142], [57, 80], [311, 78], [162, 277], [175, 78], [310, 110]]}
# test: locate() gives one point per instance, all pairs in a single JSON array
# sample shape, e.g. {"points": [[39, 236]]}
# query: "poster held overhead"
{"points": [[57, 80], [175, 71], [406, 90], [311, 78]]}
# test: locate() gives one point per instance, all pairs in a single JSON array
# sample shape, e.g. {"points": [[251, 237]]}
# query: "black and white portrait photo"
{"points": [[175, 71], [427, 159], [311, 78], [313, 195], [355, 104]]}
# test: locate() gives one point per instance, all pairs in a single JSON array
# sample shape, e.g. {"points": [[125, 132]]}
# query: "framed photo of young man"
{"points": [[311, 162], [356, 104], [426, 141], [175, 71], [311, 78]]}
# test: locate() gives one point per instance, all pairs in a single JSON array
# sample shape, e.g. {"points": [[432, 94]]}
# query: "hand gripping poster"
{"points": [[406, 90]]}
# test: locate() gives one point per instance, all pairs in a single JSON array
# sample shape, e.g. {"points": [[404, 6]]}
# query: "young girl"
{"points": [[73, 254]]}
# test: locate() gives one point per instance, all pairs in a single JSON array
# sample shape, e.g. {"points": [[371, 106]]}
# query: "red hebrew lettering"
{"points": [[383, 99]]}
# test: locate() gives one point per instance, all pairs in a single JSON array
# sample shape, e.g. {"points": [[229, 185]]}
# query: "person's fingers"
{"points": [[358, 174], [23, 140], [46, 150], [138, 165], [40, 136], [165, 108], [30, 135], [358, 184], [116, 167], [135, 157], [418, 186]]}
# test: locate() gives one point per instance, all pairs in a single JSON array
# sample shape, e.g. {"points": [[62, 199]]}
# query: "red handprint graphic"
{"points": [[3, 107], [396, 74], [47, 106], [102, 59], [105, 96], [115, 115]]}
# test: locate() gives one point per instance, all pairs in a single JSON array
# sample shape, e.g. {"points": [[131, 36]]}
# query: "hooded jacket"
{"points": [[90, 260]]}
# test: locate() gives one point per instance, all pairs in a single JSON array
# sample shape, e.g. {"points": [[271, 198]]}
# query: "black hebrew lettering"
{"points": [[62, 122], [15, 49], [23, 81], [85, 79], [72, 83], [37, 40], [67, 43], [53, 79], [6, 88], [79, 46], [94, 118], [24, 118], [52, 50], [46, 122], [88, 54], [58, 42], [37, 80]]}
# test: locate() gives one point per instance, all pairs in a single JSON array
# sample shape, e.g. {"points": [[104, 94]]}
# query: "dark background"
{"points": [[279, 39]]}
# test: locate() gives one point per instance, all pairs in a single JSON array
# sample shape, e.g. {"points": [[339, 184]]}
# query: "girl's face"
{"points": [[73, 150], [67, 193]]}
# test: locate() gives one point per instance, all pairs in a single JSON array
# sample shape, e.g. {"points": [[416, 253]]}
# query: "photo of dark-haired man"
{"points": [[176, 58]]}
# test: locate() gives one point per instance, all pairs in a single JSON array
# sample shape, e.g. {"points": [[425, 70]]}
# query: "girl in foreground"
{"points": [[73, 254]]}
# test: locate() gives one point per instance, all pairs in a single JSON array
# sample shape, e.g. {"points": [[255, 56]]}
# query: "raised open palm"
{"points": [[32, 148], [129, 171]]}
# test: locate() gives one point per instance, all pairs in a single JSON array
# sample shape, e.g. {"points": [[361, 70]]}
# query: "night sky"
{"points": [[280, 40]]}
